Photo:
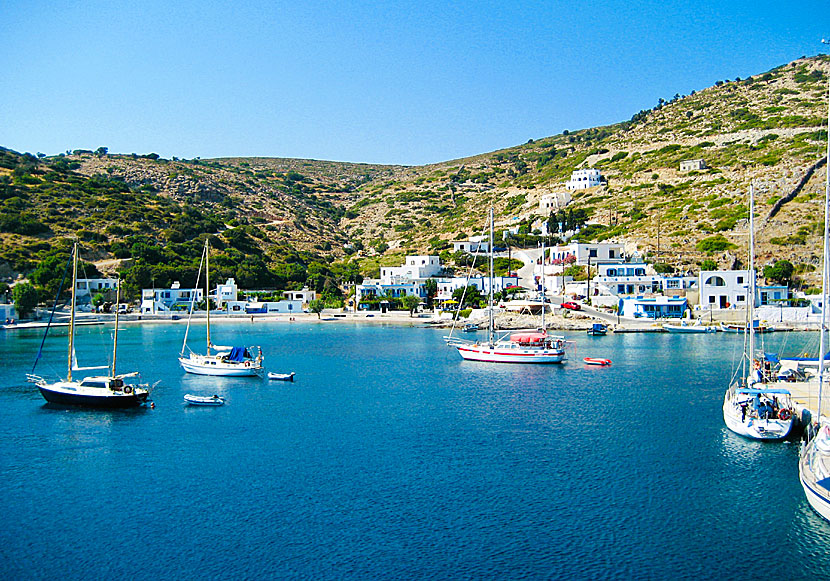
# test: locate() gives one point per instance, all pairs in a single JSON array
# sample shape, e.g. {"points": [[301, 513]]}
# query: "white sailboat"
{"points": [[218, 360], [101, 391], [814, 461], [751, 408], [534, 346]]}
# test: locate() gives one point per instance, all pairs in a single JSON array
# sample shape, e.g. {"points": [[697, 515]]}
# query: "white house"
{"points": [[7, 313], [657, 307], [414, 268], [584, 178], [447, 286], [172, 299], [723, 289], [554, 201], [251, 308], [227, 292], [305, 296], [90, 286], [628, 279], [692, 165], [475, 244], [598, 252]]}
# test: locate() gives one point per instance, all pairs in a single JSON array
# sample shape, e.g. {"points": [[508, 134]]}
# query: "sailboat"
{"points": [[534, 346], [218, 360], [751, 408], [814, 461], [101, 391]]}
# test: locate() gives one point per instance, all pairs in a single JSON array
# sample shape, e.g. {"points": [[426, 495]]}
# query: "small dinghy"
{"points": [[203, 399], [597, 361], [281, 376]]}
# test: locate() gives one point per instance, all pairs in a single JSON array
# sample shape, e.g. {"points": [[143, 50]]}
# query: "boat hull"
{"points": [[212, 366], [816, 459], [771, 429], [689, 329], [60, 395], [496, 355], [203, 401]]}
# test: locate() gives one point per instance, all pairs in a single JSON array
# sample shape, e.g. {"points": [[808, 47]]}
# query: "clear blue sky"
{"points": [[377, 82]]}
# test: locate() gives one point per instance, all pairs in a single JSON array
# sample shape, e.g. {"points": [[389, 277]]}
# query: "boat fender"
{"points": [[128, 389], [756, 364], [247, 364], [784, 414]]}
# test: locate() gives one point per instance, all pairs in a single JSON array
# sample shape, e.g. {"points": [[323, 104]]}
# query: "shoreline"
{"points": [[503, 321]]}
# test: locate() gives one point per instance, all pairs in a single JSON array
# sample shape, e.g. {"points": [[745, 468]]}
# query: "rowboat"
{"points": [[212, 400], [597, 361], [281, 376]]}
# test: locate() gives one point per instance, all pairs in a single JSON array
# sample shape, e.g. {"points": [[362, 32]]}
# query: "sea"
{"points": [[390, 457]]}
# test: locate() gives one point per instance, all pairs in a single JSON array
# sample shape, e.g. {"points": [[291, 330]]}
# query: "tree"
{"points": [[780, 272], [317, 306], [472, 296], [708, 264], [431, 288], [410, 303], [25, 298], [98, 299]]}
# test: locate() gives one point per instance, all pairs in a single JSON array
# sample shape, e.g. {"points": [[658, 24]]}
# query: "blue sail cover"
{"points": [[238, 354]]}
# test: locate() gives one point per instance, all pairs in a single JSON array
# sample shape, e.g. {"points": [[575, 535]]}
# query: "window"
{"points": [[740, 280], [592, 252], [610, 254], [715, 281], [740, 298], [711, 300]]}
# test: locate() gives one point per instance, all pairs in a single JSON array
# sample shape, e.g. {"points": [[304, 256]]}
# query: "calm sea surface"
{"points": [[390, 457]]}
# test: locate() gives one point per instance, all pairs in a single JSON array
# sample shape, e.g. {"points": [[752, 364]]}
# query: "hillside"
{"points": [[282, 223]]}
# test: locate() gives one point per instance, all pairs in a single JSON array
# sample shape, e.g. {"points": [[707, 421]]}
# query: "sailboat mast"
{"points": [[207, 291], [751, 302], [72, 312], [115, 337], [544, 301], [490, 299], [825, 266]]}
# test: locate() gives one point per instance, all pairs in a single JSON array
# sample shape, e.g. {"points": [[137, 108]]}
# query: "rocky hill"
{"points": [[769, 128]]}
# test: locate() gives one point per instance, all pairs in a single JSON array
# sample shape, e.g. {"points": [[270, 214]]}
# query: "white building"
{"points": [[7, 313], [723, 289], [227, 292], [692, 165], [597, 252], [90, 286], [173, 299], [270, 307], [584, 178], [475, 244], [447, 286], [305, 296], [554, 201], [414, 268]]}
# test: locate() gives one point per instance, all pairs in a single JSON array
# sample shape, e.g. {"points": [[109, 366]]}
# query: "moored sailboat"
{"points": [[218, 360], [535, 346], [814, 461], [751, 408], [101, 391]]}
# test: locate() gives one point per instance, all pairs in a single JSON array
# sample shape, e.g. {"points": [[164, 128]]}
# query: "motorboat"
{"points": [[213, 400], [684, 327], [281, 376], [470, 328], [596, 361], [598, 329], [757, 328], [109, 391]]}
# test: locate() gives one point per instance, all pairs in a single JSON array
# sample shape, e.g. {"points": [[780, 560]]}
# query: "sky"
{"points": [[374, 82]]}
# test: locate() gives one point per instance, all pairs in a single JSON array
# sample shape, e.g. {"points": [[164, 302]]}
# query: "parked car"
{"points": [[571, 306]]}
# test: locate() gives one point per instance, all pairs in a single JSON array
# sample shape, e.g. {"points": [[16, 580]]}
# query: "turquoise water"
{"points": [[390, 457]]}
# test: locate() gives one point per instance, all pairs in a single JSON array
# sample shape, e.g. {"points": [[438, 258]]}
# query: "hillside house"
{"points": [[584, 178], [692, 165]]}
